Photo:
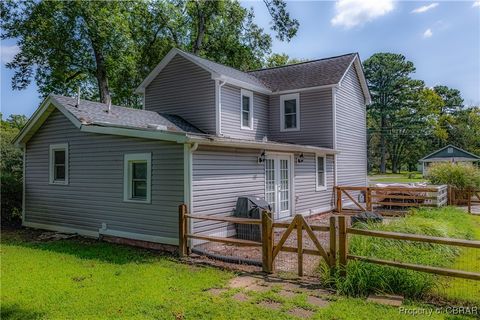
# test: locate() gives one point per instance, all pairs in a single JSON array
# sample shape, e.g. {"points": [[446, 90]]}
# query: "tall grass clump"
{"points": [[365, 278], [460, 176]]}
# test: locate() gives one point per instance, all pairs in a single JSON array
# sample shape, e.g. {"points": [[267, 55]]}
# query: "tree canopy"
{"points": [[107, 47]]}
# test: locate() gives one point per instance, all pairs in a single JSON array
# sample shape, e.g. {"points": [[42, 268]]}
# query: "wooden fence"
{"points": [[389, 200], [464, 197], [335, 255], [344, 255]]}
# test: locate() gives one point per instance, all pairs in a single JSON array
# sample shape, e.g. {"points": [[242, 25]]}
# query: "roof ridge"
{"points": [[303, 62]]}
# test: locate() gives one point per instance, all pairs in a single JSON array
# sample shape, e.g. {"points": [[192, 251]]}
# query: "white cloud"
{"points": [[8, 52], [428, 33], [351, 13], [425, 8], [476, 4]]}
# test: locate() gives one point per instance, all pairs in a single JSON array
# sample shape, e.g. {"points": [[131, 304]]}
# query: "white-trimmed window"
{"points": [[58, 163], [290, 112], [137, 181], [321, 170], [246, 109]]}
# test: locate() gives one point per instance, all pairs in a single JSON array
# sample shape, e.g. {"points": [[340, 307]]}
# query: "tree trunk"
{"points": [[101, 75], [200, 31], [383, 161]]}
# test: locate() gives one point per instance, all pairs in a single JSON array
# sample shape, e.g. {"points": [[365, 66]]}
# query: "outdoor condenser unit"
{"points": [[250, 207]]}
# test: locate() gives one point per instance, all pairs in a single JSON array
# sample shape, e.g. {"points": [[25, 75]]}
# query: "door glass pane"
{"points": [[321, 171], [270, 183], [139, 170], [284, 185]]}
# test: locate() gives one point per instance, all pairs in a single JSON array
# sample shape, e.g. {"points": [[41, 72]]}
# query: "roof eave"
{"points": [[261, 145]]}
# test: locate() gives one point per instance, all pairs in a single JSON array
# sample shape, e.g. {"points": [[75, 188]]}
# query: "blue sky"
{"points": [[441, 38]]}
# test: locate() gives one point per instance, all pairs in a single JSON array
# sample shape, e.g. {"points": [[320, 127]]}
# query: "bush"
{"points": [[365, 278], [460, 176]]}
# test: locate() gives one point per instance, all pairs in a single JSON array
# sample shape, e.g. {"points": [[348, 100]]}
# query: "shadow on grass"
{"points": [[13, 312], [82, 248]]}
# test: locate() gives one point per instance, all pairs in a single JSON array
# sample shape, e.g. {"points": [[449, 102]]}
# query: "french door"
{"points": [[278, 191]]}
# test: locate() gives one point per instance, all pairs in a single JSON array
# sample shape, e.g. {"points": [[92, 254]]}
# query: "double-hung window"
{"points": [[137, 177], [246, 108], [58, 163], [290, 112], [321, 173]]}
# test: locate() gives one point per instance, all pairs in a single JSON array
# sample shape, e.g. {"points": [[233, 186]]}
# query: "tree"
{"points": [[108, 47], [386, 74], [452, 99], [281, 59]]}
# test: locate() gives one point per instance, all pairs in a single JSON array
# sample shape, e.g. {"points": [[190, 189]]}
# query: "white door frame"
{"points": [[290, 157]]}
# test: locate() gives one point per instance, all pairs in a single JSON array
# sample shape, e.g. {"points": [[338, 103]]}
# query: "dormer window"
{"points": [[246, 108], [290, 112]]}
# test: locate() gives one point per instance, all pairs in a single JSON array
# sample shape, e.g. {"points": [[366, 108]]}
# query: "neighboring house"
{"points": [[207, 135], [449, 153]]}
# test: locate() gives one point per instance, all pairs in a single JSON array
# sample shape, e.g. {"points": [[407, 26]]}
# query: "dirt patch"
{"points": [[241, 297], [272, 305], [216, 291], [300, 313], [388, 300], [317, 302], [242, 282], [287, 294]]}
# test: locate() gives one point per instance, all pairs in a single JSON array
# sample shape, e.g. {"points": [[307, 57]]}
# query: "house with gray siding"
{"points": [[207, 134]]}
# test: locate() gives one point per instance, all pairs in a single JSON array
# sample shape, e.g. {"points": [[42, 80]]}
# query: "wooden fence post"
{"points": [[267, 242], [469, 200], [333, 244], [339, 199], [342, 246], [182, 230], [368, 199], [300, 245]]}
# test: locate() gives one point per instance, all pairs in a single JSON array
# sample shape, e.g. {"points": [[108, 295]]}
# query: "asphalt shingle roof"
{"points": [[314, 73], [227, 71], [90, 112]]}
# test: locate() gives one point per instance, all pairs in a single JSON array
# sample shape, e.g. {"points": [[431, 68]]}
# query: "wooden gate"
{"points": [[271, 250]]}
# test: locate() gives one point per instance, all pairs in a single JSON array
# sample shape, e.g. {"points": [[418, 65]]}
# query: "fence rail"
{"points": [[344, 255], [336, 255]]}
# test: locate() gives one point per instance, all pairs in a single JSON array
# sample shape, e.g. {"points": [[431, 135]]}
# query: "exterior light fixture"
{"points": [[300, 158], [261, 159]]}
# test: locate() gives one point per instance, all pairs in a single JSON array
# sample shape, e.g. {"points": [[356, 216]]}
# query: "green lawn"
{"points": [[404, 177], [86, 279]]}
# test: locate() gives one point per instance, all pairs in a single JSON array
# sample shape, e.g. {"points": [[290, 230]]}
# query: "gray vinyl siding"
{"points": [[221, 175], [308, 200], [231, 114], [351, 132], [182, 88], [94, 194], [316, 119]]}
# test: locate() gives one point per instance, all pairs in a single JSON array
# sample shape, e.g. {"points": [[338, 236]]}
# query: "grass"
{"points": [[365, 278], [86, 279], [404, 177]]}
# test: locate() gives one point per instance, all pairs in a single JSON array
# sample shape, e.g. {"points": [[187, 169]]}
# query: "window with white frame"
{"points": [[290, 112], [246, 109], [321, 172], [137, 177], [58, 163]]}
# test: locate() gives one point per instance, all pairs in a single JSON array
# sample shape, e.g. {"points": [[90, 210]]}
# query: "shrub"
{"points": [[365, 278], [460, 176]]}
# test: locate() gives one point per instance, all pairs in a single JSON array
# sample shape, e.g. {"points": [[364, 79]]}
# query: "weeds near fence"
{"points": [[365, 278]]}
